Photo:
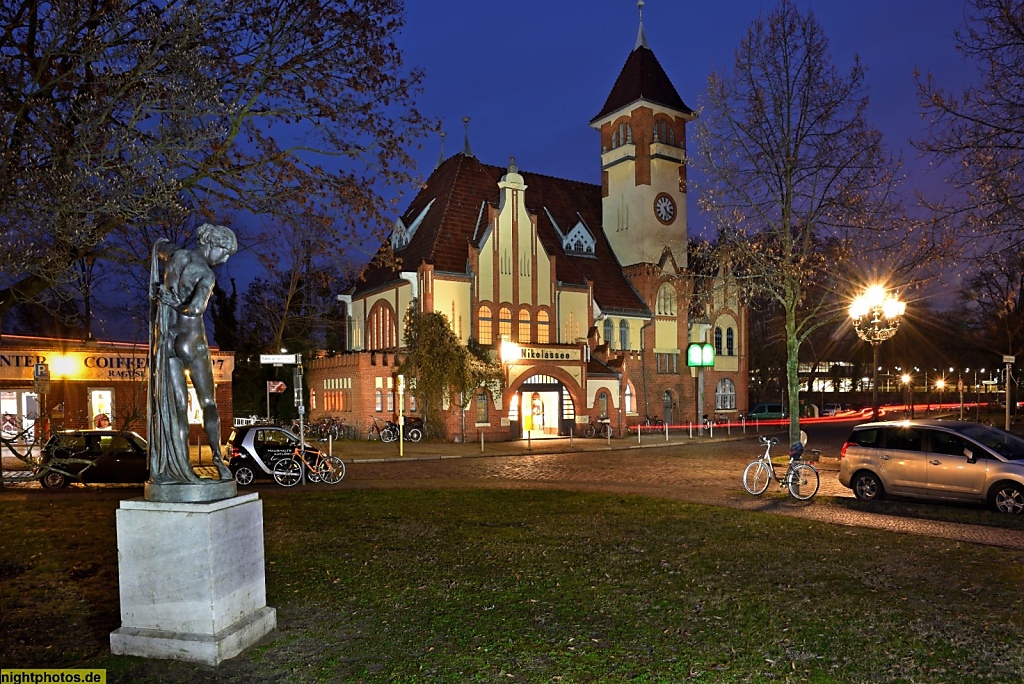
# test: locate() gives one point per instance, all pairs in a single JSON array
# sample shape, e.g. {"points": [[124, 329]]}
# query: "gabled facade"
{"points": [[591, 281]]}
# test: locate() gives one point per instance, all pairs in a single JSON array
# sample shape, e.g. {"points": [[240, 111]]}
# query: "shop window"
{"points": [[730, 339], [481, 408], [725, 395], [543, 328], [623, 334], [525, 336], [485, 325]]}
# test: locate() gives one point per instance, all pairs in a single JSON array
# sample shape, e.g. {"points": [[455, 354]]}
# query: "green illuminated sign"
{"points": [[700, 355]]}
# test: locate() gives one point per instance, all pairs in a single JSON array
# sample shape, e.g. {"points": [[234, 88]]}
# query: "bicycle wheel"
{"points": [[414, 435], [388, 435], [332, 470], [606, 431], [287, 472], [803, 481], [588, 430], [373, 433], [756, 477]]}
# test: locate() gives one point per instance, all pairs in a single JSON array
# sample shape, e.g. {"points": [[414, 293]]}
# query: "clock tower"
{"points": [[643, 161]]}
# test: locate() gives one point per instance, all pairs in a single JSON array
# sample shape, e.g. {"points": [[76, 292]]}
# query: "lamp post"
{"points": [[510, 353], [906, 385], [876, 317]]}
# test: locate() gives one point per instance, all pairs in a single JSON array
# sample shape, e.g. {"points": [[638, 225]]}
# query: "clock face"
{"points": [[665, 208]]}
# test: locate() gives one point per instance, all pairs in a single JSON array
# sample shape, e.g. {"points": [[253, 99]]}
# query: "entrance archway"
{"points": [[542, 407]]}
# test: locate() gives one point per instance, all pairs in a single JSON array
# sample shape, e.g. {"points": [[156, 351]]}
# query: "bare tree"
{"points": [[799, 183], [979, 133], [119, 116]]}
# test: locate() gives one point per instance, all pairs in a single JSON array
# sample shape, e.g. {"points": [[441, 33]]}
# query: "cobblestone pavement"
{"points": [[706, 472]]}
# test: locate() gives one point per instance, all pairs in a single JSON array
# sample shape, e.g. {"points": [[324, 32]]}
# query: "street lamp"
{"points": [[876, 317]]}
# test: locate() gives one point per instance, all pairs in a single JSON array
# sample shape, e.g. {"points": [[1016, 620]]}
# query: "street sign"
{"points": [[278, 359], [1009, 359], [41, 372], [276, 386]]}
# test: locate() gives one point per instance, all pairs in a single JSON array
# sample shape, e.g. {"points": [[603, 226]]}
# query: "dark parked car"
{"points": [[935, 459], [93, 456], [253, 450]]}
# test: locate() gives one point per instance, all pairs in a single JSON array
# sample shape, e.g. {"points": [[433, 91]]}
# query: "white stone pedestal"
{"points": [[192, 579]]}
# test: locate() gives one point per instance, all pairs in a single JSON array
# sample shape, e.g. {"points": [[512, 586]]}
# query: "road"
{"points": [[697, 471]]}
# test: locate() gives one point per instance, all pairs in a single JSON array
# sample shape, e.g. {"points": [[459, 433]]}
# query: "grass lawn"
{"points": [[538, 586]]}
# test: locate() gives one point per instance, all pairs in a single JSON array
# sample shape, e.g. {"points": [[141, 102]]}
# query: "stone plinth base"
{"points": [[192, 579]]}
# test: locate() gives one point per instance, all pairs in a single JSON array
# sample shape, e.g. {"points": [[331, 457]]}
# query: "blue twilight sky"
{"points": [[532, 74]]}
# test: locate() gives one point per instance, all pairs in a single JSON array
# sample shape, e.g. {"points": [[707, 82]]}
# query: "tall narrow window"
{"points": [[609, 333], [525, 327], [485, 325], [718, 341], [730, 349], [378, 400], [725, 395], [623, 334], [543, 328], [505, 322], [666, 301], [481, 407], [602, 404]]}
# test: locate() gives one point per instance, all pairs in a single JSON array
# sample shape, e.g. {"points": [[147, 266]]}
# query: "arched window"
{"points": [[609, 333], [381, 332], [525, 325], [602, 404], [718, 341], [666, 301], [615, 139], [725, 395], [485, 325], [543, 328], [730, 339], [623, 334], [378, 400], [627, 399], [505, 322]]}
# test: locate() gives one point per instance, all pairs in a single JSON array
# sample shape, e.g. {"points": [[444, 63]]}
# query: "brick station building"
{"points": [[592, 281]]}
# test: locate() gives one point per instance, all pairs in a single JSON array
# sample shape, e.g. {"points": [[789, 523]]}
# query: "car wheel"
{"points": [[1007, 497], [867, 487], [244, 475], [54, 480]]}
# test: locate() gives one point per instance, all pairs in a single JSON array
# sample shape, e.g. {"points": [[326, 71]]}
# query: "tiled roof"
{"points": [[642, 78], [462, 184]]}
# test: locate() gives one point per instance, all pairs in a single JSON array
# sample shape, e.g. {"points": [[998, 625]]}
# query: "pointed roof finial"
{"points": [[641, 39], [440, 160], [512, 168], [465, 150]]}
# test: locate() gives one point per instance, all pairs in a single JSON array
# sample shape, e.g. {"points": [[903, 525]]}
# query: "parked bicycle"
{"points": [[323, 468], [603, 428], [801, 478], [387, 433], [653, 421]]}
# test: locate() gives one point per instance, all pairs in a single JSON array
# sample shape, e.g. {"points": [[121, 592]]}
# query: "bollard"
{"points": [[330, 445], [609, 438], [666, 432], [689, 427], [481, 441], [529, 442], [571, 433], [638, 431]]}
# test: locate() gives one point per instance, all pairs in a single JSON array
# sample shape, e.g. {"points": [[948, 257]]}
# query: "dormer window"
{"points": [[579, 240], [401, 235]]}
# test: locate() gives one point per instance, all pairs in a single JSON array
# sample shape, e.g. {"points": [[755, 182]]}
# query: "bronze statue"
{"points": [[178, 345]]}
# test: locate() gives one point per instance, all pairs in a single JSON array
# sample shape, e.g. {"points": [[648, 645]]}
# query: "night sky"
{"points": [[532, 74]]}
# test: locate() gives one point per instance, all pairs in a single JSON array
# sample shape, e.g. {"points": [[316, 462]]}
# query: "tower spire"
{"points": [[641, 39], [465, 150], [441, 158]]}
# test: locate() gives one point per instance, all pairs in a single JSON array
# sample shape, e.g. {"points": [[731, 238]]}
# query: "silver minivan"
{"points": [[935, 459]]}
